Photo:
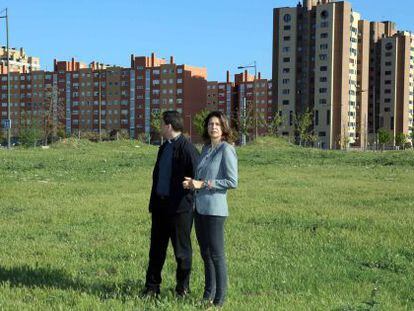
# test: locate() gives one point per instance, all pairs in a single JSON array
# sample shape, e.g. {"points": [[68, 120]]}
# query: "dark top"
{"points": [[184, 163], [164, 175]]}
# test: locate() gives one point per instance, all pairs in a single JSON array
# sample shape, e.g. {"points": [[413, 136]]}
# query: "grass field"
{"points": [[308, 229]]}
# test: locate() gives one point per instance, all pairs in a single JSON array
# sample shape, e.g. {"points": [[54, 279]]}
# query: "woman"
{"points": [[216, 172]]}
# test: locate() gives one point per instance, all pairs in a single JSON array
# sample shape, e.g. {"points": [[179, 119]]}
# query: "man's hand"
{"points": [[193, 184]]}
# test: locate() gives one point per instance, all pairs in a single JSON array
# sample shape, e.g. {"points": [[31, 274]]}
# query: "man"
{"points": [[171, 206]]}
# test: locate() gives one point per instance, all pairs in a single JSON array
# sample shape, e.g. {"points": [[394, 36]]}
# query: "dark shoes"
{"points": [[150, 292], [182, 292], [154, 292]]}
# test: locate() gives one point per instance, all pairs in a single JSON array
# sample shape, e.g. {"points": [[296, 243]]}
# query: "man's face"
{"points": [[166, 130]]}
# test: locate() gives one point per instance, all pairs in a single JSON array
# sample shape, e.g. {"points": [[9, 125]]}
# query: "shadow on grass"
{"points": [[50, 278]]}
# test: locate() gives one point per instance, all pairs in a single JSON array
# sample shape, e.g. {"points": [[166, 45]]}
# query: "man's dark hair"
{"points": [[174, 118]]}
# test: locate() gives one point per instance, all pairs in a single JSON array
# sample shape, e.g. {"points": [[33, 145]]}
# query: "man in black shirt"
{"points": [[171, 206]]}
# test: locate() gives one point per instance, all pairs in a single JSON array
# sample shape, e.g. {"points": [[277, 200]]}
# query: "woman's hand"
{"points": [[190, 183]]}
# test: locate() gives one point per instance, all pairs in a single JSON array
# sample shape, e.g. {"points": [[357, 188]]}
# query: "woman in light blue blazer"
{"points": [[216, 172]]}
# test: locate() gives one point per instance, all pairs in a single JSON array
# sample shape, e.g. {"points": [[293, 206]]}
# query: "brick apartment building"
{"points": [[246, 96], [101, 96]]}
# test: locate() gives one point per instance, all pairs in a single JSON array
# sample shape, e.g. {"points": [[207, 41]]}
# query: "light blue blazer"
{"points": [[219, 168]]}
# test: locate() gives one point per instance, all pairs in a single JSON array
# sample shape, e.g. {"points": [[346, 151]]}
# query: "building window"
{"points": [[287, 18], [324, 35], [285, 102], [286, 70], [286, 91], [323, 46], [323, 90], [323, 68], [323, 79], [388, 46], [286, 38], [286, 27], [286, 59]]}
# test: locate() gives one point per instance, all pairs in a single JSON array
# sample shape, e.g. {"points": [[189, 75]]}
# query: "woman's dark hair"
{"points": [[225, 128], [174, 118]]}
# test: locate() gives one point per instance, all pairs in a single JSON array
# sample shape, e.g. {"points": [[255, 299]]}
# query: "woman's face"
{"points": [[214, 128]]}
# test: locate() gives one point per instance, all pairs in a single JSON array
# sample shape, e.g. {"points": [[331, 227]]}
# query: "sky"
{"points": [[217, 34]]}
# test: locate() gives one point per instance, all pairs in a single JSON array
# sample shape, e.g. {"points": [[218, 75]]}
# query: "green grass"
{"points": [[308, 229]]}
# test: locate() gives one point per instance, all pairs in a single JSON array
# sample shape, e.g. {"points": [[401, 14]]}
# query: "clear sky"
{"points": [[216, 34]]}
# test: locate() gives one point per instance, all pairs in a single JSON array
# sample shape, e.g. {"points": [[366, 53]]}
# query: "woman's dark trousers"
{"points": [[210, 236]]}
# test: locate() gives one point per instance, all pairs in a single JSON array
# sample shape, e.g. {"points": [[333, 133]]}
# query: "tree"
{"points": [[246, 123], [384, 137], [401, 140], [30, 136], [156, 118], [303, 123], [198, 121], [51, 114], [411, 136], [274, 124], [344, 139]]}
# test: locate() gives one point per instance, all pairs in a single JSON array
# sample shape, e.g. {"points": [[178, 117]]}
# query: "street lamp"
{"points": [[364, 122], [8, 122], [254, 99], [100, 104], [189, 116]]}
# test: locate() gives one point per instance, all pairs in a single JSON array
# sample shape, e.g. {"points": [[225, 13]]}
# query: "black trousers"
{"points": [[177, 228]]}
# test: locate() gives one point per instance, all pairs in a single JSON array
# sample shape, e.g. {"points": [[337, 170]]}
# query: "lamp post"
{"points": [[189, 116], [364, 122], [254, 99], [8, 122], [100, 104]]}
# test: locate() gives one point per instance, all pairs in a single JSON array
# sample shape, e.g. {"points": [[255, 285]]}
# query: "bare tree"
{"points": [[246, 122], [51, 114]]}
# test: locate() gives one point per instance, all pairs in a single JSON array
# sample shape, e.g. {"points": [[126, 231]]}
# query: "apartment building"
{"points": [[396, 93], [220, 96], [355, 76], [318, 50], [378, 31], [105, 98], [163, 86], [19, 61]]}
